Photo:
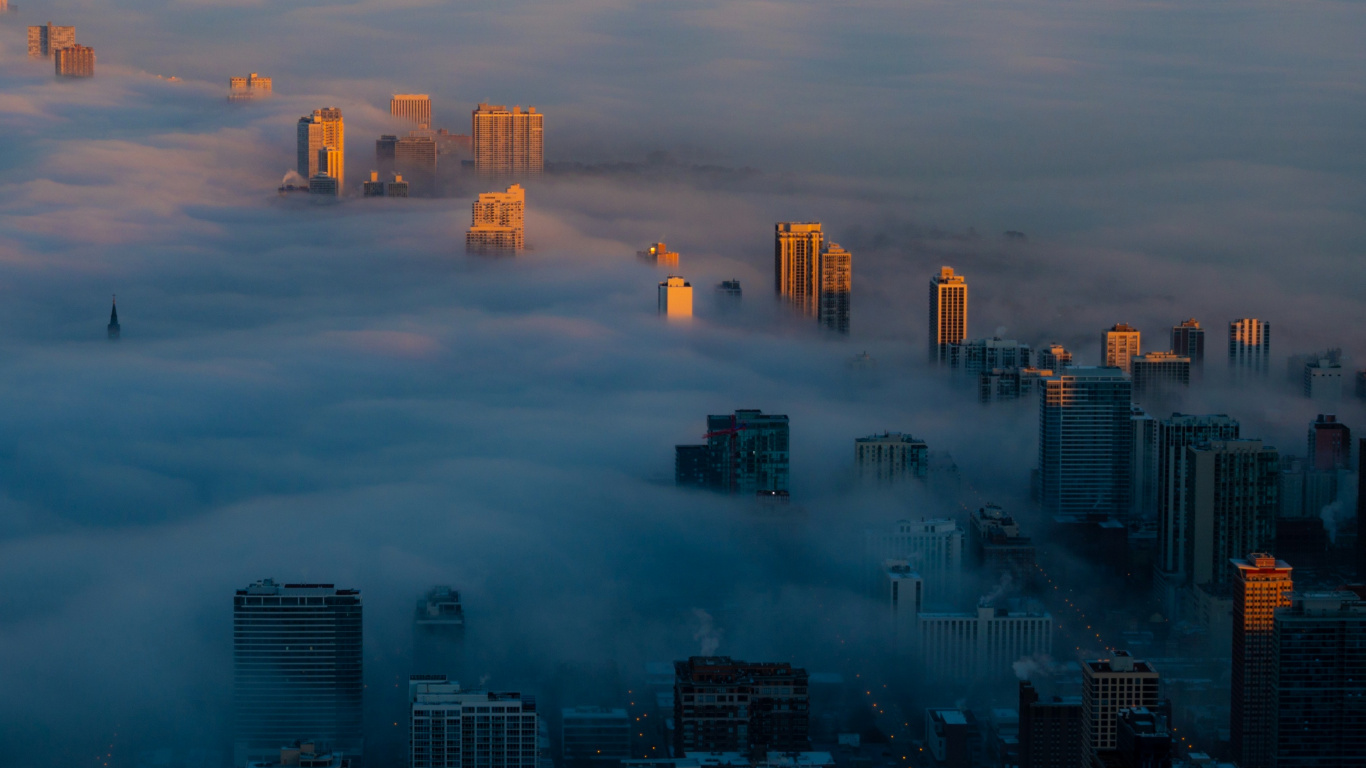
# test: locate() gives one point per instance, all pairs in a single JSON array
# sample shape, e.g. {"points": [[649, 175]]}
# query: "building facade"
{"points": [[1249, 346], [297, 668], [836, 283], [891, 457], [932, 548], [507, 142], [45, 40], [1159, 373], [253, 86], [1318, 689], [1232, 490], [1109, 685], [1323, 380], [797, 248], [439, 633], [982, 645], [497, 223], [1050, 732], [75, 61], [659, 255], [746, 453], [1330, 444], [321, 140], [948, 313], [1085, 442], [675, 298], [449, 728], [1188, 340], [1119, 345], [724, 705], [1261, 584], [413, 107], [978, 355], [594, 734], [1054, 357], [998, 545]]}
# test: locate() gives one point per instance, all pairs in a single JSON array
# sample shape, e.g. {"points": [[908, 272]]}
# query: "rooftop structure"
{"points": [[659, 255]]}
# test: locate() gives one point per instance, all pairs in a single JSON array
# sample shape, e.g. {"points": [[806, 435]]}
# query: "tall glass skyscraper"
{"points": [[296, 668], [1085, 442]]}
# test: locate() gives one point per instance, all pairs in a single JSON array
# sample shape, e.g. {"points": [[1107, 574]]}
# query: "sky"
{"points": [[338, 393]]}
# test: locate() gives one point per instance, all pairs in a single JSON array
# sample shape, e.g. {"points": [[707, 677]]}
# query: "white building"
{"points": [[984, 645], [503, 726], [1109, 685], [933, 548], [675, 298], [1323, 380]]}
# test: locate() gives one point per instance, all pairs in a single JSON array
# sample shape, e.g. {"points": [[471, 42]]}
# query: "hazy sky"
{"points": [[338, 393]]}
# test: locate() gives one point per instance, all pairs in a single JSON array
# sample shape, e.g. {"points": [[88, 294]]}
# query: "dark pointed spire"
{"points": [[114, 320]]}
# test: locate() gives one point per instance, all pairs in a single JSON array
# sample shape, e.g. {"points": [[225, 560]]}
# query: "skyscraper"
{"points": [[323, 130], [1323, 380], [1249, 346], [891, 457], [1261, 585], [723, 705], [1054, 358], [1232, 489], [836, 283], [1119, 345], [594, 735], [1050, 732], [978, 355], [439, 633], [796, 263], [1159, 373], [746, 453], [659, 255], [114, 329], [45, 41], [948, 313], [675, 298], [1330, 444], [932, 548], [450, 728], [1085, 442], [507, 143], [296, 667], [253, 86], [1318, 690], [413, 107], [415, 152], [75, 61], [1361, 508], [1188, 340], [496, 226], [1109, 685]]}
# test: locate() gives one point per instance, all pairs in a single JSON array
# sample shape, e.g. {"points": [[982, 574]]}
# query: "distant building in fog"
{"points": [[323, 184], [836, 284], [1054, 357], [1119, 345], [1330, 443], [592, 735], [933, 548], [75, 61], [304, 753], [890, 457], [729, 290], [675, 298], [904, 590], [659, 255], [1085, 442], [1249, 346], [746, 453], [982, 645], [507, 143], [1159, 373], [113, 328], [948, 313], [723, 705], [439, 633], [448, 726], [497, 225], [1323, 380], [998, 546], [413, 107], [979, 355], [44, 41], [1109, 685], [1188, 340], [1002, 384], [253, 86]]}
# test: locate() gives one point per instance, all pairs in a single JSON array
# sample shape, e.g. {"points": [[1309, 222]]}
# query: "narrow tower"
{"points": [[114, 319]]}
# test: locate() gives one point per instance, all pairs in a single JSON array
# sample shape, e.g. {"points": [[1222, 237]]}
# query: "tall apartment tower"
{"points": [[891, 457], [1261, 584], [322, 145], [1188, 340], [1109, 685], [439, 633], [723, 705], [296, 668], [1159, 373], [675, 298], [836, 283], [932, 548], [1232, 487], [413, 107], [449, 728], [1119, 345], [1249, 346], [497, 224], [1330, 444], [948, 313], [1050, 732], [1318, 692], [253, 86], [746, 453], [1361, 508], [75, 61], [1085, 442], [44, 41], [507, 143], [797, 250], [1054, 357]]}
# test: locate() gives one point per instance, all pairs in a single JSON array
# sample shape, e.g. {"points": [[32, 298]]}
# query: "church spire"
{"points": [[114, 319]]}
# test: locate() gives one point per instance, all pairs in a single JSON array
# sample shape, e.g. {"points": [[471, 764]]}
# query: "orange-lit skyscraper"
{"points": [[253, 86], [507, 142], [44, 41], [948, 313], [323, 130], [497, 224], [1119, 345], [75, 61], [414, 107], [675, 298], [1249, 346], [1261, 585], [796, 262], [836, 283]]}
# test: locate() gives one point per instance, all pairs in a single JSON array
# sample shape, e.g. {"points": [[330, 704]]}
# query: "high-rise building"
{"points": [[1330, 443], [323, 130], [891, 457], [450, 728], [1142, 465], [948, 313], [675, 298], [1050, 732], [1159, 373], [1232, 490], [797, 250], [932, 548], [507, 143], [322, 184], [253, 86], [590, 735], [1119, 345], [1109, 685], [413, 107], [386, 148], [1323, 380], [1318, 689], [415, 152], [114, 329], [998, 546], [905, 592], [981, 645], [1085, 442], [746, 453], [729, 291], [396, 188], [1188, 340], [1361, 508], [75, 61], [296, 667], [44, 41], [1000, 384], [836, 283], [439, 633], [497, 224], [1143, 739], [374, 187], [1261, 584], [1054, 357], [723, 705], [978, 355], [1173, 436], [1249, 346], [659, 255]]}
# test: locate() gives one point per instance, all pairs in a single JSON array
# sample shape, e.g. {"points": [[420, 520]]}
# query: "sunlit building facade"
{"points": [[675, 298], [1054, 357], [321, 139], [497, 225], [1249, 346], [948, 313], [75, 61], [1085, 442], [1261, 584], [44, 41], [659, 255], [507, 142], [1119, 345], [253, 86], [797, 250], [413, 107]]}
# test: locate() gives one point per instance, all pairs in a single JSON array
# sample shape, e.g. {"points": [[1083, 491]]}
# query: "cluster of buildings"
{"points": [[50, 41]]}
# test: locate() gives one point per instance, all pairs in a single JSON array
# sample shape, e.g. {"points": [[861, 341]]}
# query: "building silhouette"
{"points": [[998, 546], [253, 86], [439, 633], [891, 457], [114, 329], [1109, 685], [836, 283], [932, 548], [1261, 584], [1054, 357], [1085, 442], [497, 223], [1119, 345], [724, 705], [44, 41], [322, 145], [1050, 732], [1249, 346], [1159, 373], [451, 727], [1233, 487], [594, 735], [296, 667], [413, 107], [1330, 444], [948, 313], [75, 61], [507, 143], [1318, 689], [1188, 340], [746, 453], [675, 298]]}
